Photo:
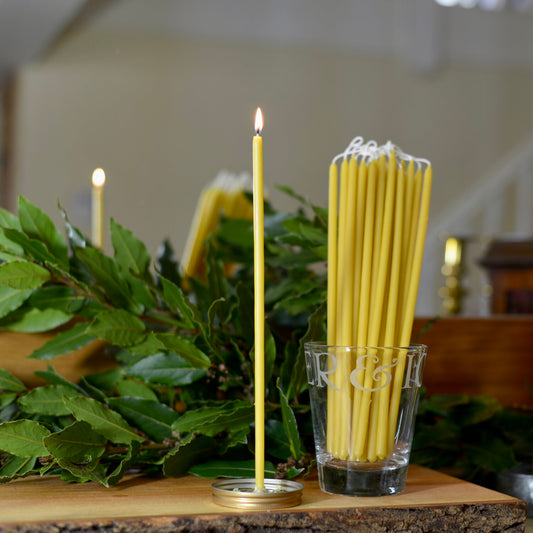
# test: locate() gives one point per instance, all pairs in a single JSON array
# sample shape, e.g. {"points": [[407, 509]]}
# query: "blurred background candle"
{"points": [[98, 180]]}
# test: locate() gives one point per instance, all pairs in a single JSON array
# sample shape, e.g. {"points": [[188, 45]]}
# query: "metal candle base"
{"points": [[241, 493]]}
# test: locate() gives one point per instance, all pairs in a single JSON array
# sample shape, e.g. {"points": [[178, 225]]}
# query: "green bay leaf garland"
{"points": [[181, 393]]}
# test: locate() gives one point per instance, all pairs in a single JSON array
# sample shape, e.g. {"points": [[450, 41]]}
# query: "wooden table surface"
{"points": [[432, 501]]}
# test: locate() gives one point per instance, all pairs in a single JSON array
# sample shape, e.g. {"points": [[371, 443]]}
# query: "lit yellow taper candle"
{"points": [[259, 302], [98, 180]]}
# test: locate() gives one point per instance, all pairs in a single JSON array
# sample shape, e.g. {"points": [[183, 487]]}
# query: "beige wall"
{"points": [[164, 115]]}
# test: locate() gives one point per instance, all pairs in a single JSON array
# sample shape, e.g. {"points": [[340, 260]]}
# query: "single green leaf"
{"points": [[288, 287], [77, 442], [107, 275], [238, 469], [38, 225], [309, 233], [290, 426], [289, 191], [177, 300], [321, 213], [134, 389], [91, 470], [276, 441], [11, 251], [130, 252], [47, 400], [64, 342], [153, 418], [56, 297], [295, 305], [236, 232], [31, 248], [270, 353], [15, 467], [185, 349], [274, 225], [23, 438], [165, 369], [214, 314], [191, 450], [9, 220], [141, 291], [166, 264], [23, 275], [9, 412], [106, 380], [7, 257], [37, 321], [236, 438], [118, 327], [123, 465], [74, 235], [92, 391], [149, 346], [9, 382], [52, 377], [104, 421], [7, 398], [229, 416], [11, 299]]}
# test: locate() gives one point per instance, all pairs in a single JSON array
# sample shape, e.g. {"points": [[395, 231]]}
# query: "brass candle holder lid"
{"points": [[241, 493]]}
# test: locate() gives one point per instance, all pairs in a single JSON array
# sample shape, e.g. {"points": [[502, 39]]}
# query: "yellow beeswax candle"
{"points": [[358, 251], [98, 180], [409, 310], [362, 399], [332, 254], [379, 216], [415, 209], [335, 437], [346, 335], [332, 288], [259, 302], [392, 311], [349, 236], [204, 222]]}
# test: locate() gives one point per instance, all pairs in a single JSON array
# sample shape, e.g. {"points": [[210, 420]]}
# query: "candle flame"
{"points": [[452, 253], [258, 121], [98, 177]]}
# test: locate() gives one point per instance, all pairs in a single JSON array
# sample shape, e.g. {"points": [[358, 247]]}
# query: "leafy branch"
{"points": [[179, 397]]}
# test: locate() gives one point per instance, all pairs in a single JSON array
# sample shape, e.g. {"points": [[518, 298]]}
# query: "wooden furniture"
{"points": [[466, 355], [16, 347], [510, 268], [480, 356], [432, 501]]}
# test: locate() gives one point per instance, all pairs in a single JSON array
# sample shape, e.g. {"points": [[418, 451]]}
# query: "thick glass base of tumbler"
{"points": [[361, 479]]}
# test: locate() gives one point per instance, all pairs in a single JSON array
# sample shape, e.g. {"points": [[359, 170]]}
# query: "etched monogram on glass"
{"points": [[381, 373]]}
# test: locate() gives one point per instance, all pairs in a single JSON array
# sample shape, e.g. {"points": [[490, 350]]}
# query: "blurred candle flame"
{"points": [[98, 177]]}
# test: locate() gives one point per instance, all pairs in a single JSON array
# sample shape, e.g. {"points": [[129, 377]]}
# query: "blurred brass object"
{"points": [[452, 293]]}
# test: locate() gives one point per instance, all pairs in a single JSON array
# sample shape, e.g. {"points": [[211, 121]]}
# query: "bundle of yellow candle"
{"points": [[377, 226], [225, 195]]}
